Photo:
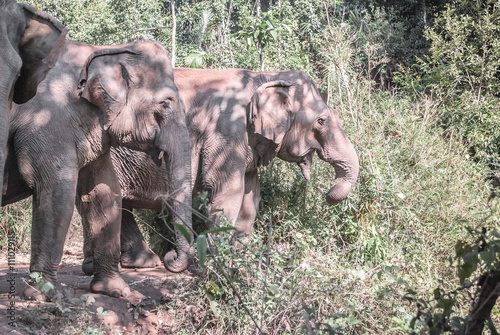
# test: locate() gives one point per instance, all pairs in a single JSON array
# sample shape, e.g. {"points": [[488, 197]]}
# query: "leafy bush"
{"points": [[462, 75]]}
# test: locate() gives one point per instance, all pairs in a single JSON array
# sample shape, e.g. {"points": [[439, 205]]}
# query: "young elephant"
{"points": [[238, 121], [59, 150], [30, 43]]}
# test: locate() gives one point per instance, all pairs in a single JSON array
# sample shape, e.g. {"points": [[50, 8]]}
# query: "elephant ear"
{"points": [[269, 110], [41, 45], [105, 82]]}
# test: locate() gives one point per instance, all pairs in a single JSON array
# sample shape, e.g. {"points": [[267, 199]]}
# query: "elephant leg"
{"points": [[135, 253], [52, 211], [99, 203], [250, 204], [88, 261], [227, 201]]}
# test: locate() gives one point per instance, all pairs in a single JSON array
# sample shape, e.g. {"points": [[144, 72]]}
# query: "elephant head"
{"points": [[134, 88], [294, 122], [30, 44]]}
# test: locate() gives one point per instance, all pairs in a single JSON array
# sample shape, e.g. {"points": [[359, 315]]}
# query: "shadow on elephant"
{"points": [[238, 121], [59, 151]]}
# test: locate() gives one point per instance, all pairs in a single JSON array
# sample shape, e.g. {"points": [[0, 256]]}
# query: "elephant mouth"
{"points": [[157, 156], [305, 165]]}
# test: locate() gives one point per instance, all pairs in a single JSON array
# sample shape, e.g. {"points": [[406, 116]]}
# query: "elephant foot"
{"points": [[88, 266], [114, 286], [41, 290], [31, 292], [144, 258]]}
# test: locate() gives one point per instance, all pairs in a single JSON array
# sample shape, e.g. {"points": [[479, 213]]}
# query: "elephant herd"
{"points": [[110, 128]]}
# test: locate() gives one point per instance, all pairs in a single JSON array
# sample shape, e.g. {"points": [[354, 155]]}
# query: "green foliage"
{"points": [[196, 59], [43, 285], [15, 222], [67, 315], [258, 32], [462, 75], [476, 261], [109, 22]]}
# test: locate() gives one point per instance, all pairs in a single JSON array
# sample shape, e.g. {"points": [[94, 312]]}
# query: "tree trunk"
{"points": [[174, 27], [488, 292], [261, 58]]}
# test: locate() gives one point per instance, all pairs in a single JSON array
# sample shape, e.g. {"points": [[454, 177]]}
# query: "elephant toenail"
{"points": [[126, 292]]}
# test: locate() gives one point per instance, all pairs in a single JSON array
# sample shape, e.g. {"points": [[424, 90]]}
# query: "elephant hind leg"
{"points": [[135, 253]]}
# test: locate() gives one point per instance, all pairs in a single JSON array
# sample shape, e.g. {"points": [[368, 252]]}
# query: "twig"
{"points": [[267, 270]]}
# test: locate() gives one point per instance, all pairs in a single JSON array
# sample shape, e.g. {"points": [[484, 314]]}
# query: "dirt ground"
{"points": [[140, 313]]}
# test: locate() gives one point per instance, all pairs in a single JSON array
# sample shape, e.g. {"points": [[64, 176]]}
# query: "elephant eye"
{"points": [[166, 104], [162, 113], [321, 121]]}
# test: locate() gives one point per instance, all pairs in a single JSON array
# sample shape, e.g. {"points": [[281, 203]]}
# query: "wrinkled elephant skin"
{"points": [[238, 121], [30, 43], [59, 149]]}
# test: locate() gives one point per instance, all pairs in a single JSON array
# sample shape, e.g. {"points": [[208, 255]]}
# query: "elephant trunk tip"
{"points": [[338, 192], [178, 261]]}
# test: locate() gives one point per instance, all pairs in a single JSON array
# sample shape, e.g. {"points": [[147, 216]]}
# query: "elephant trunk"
{"points": [[178, 165], [346, 173]]}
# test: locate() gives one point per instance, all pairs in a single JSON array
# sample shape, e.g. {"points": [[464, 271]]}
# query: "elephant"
{"points": [[30, 43], [94, 98], [238, 121]]}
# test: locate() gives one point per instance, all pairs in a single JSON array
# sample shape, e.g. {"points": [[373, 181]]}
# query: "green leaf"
{"points": [[99, 310], [214, 287], [195, 59], [215, 310], [46, 287], [274, 289], [488, 256], [183, 231], [218, 230], [445, 304], [437, 293], [352, 321], [274, 34], [89, 299], [37, 276], [465, 270], [202, 247]]}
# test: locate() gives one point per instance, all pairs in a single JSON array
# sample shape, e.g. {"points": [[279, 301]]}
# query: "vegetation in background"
{"points": [[417, 86], [462, 74]]}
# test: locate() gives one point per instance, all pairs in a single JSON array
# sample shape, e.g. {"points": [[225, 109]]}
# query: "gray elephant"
{"points": [[59, 150], [30, 43], [238, 121]]}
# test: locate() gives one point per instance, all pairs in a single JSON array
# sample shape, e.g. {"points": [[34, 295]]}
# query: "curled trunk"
{"points": [[177, 154], [346, 166]]}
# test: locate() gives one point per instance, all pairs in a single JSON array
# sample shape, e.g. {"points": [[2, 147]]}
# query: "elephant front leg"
{"points": [[135, 253], [250, 204], [226, 202], [52, 212], [99, 203]]}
